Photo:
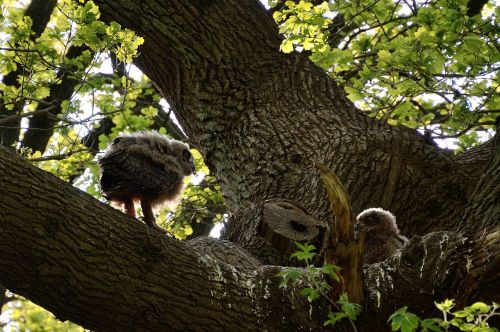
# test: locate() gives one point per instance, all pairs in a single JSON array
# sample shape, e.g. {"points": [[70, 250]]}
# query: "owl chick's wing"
{"points": [[131, 172]]}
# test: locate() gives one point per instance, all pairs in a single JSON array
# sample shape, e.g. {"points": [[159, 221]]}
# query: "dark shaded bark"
{"points": [[3, 296], [39, 11], [474, 7], [437, 266], [88, 252], [483, 211]]}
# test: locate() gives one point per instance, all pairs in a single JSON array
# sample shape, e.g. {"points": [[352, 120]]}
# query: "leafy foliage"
{"points": [[25, 316], [312, 282], [471, 318], [423, 64], [200, 208]]}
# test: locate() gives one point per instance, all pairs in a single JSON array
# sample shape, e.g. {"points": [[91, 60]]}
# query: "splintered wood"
{"points": [[344, 250]]}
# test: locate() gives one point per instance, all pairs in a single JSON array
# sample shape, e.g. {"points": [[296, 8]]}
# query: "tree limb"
{"points": [[82, 260], [94, 260]]}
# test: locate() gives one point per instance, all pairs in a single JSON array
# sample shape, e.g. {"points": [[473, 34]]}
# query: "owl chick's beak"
{"points": [[357, 229]]}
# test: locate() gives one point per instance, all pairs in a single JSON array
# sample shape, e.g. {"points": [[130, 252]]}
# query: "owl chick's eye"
{"points": [[117, 140]]}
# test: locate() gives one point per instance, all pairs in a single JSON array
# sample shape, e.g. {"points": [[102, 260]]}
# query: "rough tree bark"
{"points": [[99, 259], [262, 119], [89, 263]]}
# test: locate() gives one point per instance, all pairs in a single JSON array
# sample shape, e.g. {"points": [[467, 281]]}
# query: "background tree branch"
{"points": [[39, 12]]}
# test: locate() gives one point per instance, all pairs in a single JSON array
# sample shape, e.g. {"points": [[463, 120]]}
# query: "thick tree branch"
{"points": [[83, 260], [435, 267], [15, 117], [483, 211]]}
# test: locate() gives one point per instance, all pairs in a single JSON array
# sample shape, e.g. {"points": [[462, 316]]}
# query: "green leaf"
{"points": [[403, 320], [311, 293], [289, 275], [352, 310], [305, 252], [334, 317], [286, 46], [431, 324], [410, 323], [480, 307], [332, 271], [446, 305]]}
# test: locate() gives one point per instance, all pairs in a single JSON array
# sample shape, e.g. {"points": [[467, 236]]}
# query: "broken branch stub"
{"points": [[344, 251], [343, 232], [284, 223]]}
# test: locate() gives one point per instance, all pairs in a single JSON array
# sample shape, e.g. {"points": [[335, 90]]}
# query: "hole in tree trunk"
{"points": [[297, 226]]}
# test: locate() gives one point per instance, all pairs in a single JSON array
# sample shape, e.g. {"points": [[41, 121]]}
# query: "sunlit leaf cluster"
{"points": [[423, 64], [201, 205], [40, 61], [471, 318]]}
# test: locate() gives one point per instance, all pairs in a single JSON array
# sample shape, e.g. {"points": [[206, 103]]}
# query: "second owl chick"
{"points": [[382, 234], [144, 167]]}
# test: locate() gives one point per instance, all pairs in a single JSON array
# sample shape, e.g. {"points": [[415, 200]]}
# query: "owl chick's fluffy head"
{"points": [[377, 219], [155, 141]]}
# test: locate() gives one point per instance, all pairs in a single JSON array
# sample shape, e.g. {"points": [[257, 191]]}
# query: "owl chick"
{"points": [[144, 167], [382, 234]]}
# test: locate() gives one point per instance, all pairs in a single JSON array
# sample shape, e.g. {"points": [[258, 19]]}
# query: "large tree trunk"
{"points": [[262, 119]]}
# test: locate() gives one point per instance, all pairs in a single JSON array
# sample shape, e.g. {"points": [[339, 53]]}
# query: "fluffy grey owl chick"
{"points": [[144, 167], [382, 234]]}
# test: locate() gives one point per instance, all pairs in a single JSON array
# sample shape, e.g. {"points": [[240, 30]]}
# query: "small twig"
{"points": [[17, 116], [59, 156], [465, 130], [10, 299]]}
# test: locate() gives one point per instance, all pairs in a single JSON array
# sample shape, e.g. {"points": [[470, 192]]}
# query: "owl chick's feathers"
{"points": [[144, 167], [382, 234]]}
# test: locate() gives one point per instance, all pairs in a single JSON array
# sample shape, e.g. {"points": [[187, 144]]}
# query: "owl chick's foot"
{"points": [[149, 217], [129, 207]]}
